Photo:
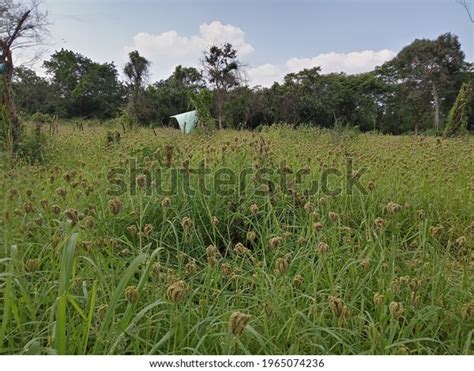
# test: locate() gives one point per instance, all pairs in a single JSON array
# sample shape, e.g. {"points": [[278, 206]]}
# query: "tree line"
{"points": [[414, 91]]}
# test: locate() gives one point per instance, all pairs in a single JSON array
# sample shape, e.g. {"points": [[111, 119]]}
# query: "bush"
{"points": [[33, 147], [202, 101], [5, 133], [113, 137], [459, 114]]}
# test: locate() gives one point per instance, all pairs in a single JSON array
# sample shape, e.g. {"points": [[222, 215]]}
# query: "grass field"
{"points": [[246, 264]]}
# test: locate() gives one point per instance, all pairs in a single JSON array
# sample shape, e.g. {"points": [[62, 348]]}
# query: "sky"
{"points": [[272, 37]]}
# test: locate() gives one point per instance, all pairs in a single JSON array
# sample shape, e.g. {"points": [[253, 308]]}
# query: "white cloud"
{"points": [[168, 49], [350, 63], [264, 75]]}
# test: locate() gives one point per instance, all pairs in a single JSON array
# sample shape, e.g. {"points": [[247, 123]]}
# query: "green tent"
{"points": [[187, 121]]}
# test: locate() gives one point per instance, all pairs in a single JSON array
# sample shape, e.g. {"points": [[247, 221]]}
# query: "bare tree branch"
{"points": [[22, 25], [18, 28], [466, 6]]}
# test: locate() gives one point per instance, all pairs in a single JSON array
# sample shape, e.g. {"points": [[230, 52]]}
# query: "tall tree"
{"points": [[222, 70], [429, 67], [22, 25], [83, 87], [32, 93], [137, 71]]}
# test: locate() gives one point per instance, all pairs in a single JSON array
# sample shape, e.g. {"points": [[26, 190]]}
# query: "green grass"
{"points": [[101, 284]]}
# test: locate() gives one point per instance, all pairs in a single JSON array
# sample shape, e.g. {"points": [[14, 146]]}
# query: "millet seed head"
{"points": [[212, 251], [237, 323], [275, 242], [176, 292], [323, 248], [241, 250], [396, 309], [251, 236], [254, 209], [281, 265], [166, 202], [131, 294]]}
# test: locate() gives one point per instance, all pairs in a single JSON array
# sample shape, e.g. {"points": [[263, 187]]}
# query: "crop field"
{"points": [[284, 241]]}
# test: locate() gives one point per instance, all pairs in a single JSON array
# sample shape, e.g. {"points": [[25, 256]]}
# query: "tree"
{"points": [[171, 96], [137, 70], [22, 25], [222, 70], [99, 92], [428, 69], [84, 88], [32, 93]]}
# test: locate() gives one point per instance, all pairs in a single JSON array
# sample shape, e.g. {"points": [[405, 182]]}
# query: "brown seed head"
{"points": [[187, 223], [44, 204], [214, 221], [141, 181], [421, 214], [298, 281], [275, 242], [226, 269], [148, 230], [241, 250], [32, 265], [115, 205], [461, 241], [166, 203], [212, 251], [101, 311], [318, 226], [323, 248], [379, 223], [333, 216], [132, 229], [337, 306], [28, 207], [55, 209], [378, 299], [365, 264], [237, 323], [309, 207], [177, 291], [71, 214], [281, 265], [393, 207], [131, 294], [396, 309], [191, 268], [61, 192], [251, 236], [254, 209]]}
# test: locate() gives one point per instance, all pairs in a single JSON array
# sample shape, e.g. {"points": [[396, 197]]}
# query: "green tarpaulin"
{"points": [[187, 121]]}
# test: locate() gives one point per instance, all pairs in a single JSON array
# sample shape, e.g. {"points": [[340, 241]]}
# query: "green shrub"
{"points": [[202, 101], [33, 147], [459, 115], [113, 137]]}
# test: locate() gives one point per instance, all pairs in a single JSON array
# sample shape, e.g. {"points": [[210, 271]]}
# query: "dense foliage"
{"points": [[413, 92]]}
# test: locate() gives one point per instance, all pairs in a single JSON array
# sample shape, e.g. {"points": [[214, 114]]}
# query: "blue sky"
{"points": [[273, 37]]}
